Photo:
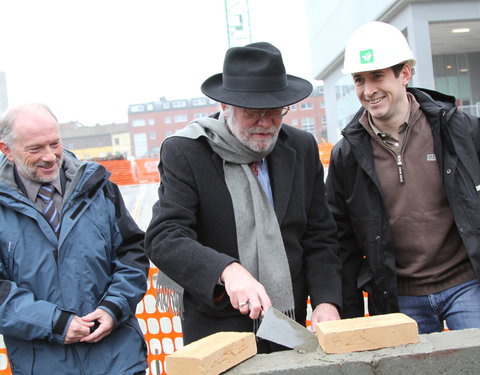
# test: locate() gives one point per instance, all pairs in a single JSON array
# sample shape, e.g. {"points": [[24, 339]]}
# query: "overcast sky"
{"points": [[89, 59]]}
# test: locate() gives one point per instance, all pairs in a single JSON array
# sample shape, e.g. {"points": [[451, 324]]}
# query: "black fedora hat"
{"points": [[254, 77]]}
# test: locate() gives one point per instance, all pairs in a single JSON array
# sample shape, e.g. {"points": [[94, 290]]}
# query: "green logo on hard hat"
{"points": [[366, 56]]}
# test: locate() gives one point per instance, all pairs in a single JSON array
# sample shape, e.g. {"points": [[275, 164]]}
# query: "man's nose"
{"points": [[49, 155], [370, 88], [265, 121]]}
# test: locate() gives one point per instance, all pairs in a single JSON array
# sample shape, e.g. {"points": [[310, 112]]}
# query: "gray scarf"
{"points": [[259, 240]]}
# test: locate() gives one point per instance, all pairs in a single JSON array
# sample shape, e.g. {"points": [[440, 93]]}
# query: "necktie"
{"points": [[50, 211], [254, 167]]}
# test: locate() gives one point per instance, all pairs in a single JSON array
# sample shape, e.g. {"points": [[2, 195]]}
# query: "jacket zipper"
{"points": [[400, 168], [400, 155]]}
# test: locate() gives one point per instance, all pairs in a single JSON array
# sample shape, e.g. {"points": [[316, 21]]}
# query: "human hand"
{"points": [[322, 313], [105, 325], [77, 330], [246, 294]]}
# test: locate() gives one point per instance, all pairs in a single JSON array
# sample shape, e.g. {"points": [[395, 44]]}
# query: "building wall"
{"points": [[150, 123], [100, 141], [93, 152], [449, 352], [309, 114], [87, 141], [121, 144]]}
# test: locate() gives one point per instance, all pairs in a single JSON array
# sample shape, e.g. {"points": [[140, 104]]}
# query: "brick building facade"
{"points": [[150, 123]]}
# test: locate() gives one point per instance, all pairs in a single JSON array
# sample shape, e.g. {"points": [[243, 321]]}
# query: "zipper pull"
{"points": [[400, 168]]}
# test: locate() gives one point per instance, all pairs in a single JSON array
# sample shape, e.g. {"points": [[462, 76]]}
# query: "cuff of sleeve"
{"points": [[114, 309], [61, 322]]}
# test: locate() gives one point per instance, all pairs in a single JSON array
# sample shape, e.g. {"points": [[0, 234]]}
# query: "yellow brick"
{"points": [[367, 333], [213, 354]]}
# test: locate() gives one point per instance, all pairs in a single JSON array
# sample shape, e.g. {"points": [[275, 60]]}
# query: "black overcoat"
{"points": [[192, 235]]}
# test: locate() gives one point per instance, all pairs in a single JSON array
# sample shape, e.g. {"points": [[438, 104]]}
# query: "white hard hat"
{"points": [[376, 45]]}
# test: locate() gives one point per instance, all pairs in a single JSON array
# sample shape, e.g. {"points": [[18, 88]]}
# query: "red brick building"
{"points": [[150, 123]]}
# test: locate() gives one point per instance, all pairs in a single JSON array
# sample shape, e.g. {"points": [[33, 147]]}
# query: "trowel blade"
{"points": [[281, 329]]}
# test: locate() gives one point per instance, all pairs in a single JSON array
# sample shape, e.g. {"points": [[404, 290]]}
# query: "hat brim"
{"points": [[296, 90]]}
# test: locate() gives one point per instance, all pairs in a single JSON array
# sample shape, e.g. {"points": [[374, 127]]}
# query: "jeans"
{"points": [[458, 307]]}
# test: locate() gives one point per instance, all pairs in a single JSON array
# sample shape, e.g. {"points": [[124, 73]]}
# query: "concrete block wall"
{"points": [[451, 352]]}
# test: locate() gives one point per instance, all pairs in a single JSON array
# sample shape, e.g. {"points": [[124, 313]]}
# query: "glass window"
{"points": [[180, 118], [140, 144], [308, 124], [306, 105], [138, 122], [179, 104], [453, 75], [137, 108], [197, 102]]}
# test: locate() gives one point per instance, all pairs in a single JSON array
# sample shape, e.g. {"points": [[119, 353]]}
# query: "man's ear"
{"points": [[7, 151], [406, 74]]}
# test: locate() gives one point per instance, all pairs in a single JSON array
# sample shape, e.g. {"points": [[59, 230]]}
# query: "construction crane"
{"points": [[238, 22]]}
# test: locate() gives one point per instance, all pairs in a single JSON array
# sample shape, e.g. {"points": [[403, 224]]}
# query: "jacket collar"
{"points": [[83, 176]]}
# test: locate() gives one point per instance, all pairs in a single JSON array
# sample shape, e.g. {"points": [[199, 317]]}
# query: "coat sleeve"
{"points": [[130, 263], [172, 241], [26, 317], [350, 252]]}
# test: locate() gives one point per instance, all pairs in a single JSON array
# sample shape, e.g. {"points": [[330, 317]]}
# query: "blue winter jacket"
{"points": [[98, 261]]}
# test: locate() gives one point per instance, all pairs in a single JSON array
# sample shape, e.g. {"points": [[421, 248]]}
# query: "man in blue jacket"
{"points": [[404, 188], [72, 264]]}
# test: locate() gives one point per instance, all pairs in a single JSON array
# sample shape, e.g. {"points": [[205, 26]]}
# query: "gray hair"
{"points": [[7, 134]]}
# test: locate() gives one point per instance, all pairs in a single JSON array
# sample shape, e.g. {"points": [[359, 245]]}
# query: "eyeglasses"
{"points": [[261, 113]]}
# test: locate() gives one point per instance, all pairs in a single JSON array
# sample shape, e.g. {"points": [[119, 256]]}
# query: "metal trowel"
{"points": [[281, 329]]}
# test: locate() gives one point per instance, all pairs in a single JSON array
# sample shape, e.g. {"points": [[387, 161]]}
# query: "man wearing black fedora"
{"points": [[241, 223]]}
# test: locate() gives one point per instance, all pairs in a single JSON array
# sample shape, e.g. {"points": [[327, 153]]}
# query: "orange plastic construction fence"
{"points": [[4, 365], [132, 172], [324, 149], [162, 330], [144, 171]]}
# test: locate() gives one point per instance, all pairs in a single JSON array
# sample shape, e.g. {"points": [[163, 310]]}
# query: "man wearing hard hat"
{"points": [[404, 188]]}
